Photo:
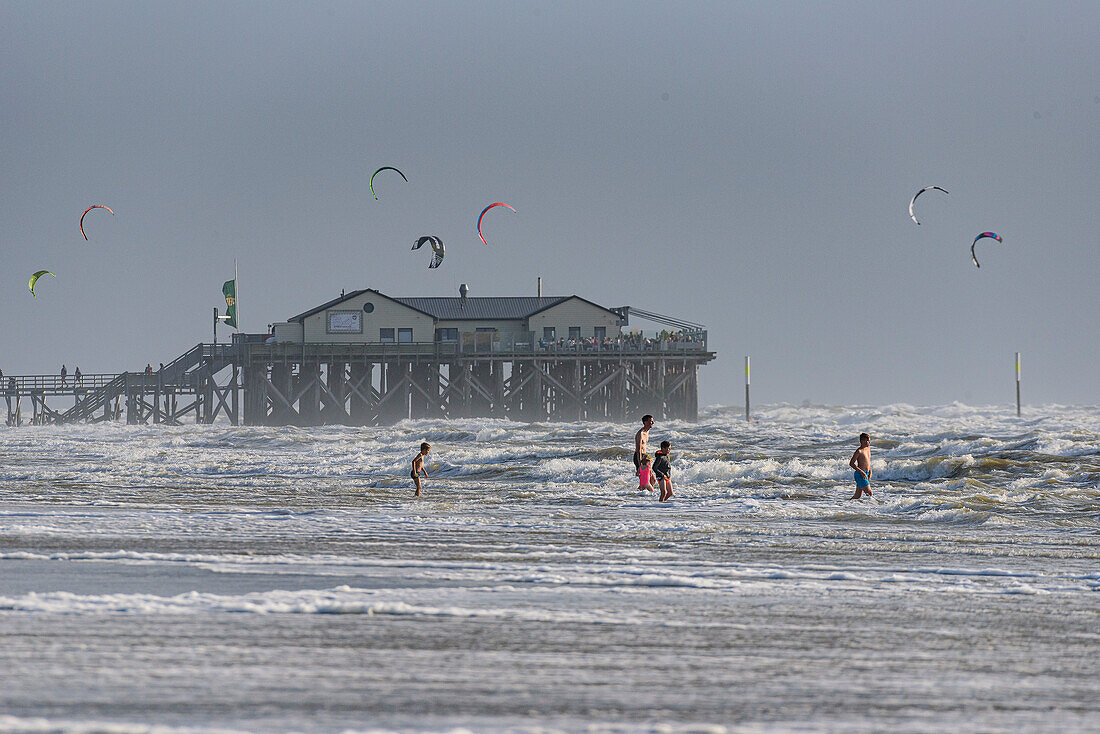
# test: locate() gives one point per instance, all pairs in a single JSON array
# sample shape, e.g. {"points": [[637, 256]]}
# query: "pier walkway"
{"points": [[258, 382], [149, 396]]}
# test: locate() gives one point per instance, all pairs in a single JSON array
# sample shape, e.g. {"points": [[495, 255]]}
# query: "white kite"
{"points": [[914, 201]]}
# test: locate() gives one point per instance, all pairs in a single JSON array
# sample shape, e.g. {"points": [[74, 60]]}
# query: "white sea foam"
{"points": [[337, 600], [289, 573], [39, 725]]}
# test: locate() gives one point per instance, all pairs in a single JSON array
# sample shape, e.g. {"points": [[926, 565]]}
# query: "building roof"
{"points": [[327, 305], [495, 308], [500, 308]]}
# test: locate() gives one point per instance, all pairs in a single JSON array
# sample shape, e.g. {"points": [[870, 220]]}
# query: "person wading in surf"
{"points": [[662, 468], [418, 466], [641, 439], [861, 464], [647, 480]]}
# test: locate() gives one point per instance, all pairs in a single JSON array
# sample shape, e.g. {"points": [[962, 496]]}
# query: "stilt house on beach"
{"points": [[367, 358]]}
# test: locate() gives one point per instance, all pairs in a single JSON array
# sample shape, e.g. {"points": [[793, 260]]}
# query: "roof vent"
{"points": [[464, 290]]}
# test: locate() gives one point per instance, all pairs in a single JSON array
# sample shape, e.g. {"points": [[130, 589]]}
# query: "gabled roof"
{"points": [[347, 297], [617, 313], [495, 308], [502, 308], [306, 314]]}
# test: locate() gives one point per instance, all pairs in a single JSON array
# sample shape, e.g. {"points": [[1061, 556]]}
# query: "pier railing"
{"points": [[53, 384], [483, 344], [645, 346], [381, 351]]}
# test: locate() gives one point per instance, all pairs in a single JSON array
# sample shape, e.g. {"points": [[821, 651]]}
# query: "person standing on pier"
{"points": [[64, 374], [77, 377], [641, 439]]}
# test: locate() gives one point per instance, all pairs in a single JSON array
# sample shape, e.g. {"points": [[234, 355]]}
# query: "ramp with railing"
{"points": [[148, 395]]}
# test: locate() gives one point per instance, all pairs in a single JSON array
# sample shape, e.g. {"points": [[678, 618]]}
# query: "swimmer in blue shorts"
{"points": [[861, 466]]}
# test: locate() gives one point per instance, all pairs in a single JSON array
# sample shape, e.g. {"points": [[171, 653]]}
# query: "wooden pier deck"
{"points": [[256, 383]]}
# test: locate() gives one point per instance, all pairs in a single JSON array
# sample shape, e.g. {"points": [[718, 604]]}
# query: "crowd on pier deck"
{"points": [[631, 341]]}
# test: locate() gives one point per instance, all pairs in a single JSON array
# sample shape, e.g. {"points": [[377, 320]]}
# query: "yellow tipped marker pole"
{"points": [[747, 418], [1017, 384]]}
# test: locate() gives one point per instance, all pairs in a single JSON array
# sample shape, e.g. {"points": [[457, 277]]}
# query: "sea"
{"points": [[157, 580]]}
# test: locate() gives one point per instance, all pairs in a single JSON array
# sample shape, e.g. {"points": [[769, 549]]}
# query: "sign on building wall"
{"points": [[345, 322]]}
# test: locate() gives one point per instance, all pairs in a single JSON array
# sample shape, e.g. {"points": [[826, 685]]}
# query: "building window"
{"points": [[548, 333], [600, 332], [404, 336], [368, 307], [446, 335], [574, 332], [385, 335]]}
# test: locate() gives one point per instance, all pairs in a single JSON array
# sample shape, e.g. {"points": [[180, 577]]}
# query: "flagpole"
{"points": [[237, 295]]}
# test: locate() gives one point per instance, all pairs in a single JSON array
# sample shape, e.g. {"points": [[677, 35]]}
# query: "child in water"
{"points": [[646, 479], [662, 467], [861, 464], [418, 466]]}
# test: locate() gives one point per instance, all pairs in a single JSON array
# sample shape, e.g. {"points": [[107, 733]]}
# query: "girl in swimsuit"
{"points": [[646, 478]]}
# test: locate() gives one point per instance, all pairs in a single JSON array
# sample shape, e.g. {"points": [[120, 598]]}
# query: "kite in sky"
{"points": [[990, 235], [914, 201], [497, 203], [437, 248], [93, 206], [383, 168], [34, 280]]}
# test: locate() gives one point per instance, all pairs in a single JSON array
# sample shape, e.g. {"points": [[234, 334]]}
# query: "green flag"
{"points": [[229, 288]]}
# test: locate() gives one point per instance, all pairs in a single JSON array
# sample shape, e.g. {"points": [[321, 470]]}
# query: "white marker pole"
{"points": [[1017, 384], [747, 418]]}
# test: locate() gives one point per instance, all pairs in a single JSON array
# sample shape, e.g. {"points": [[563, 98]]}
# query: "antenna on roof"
{"points": [[540, 286]]}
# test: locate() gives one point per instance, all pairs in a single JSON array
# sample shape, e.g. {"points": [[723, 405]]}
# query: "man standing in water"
{"points": [[861, 463], [418, 466], [641, 438]]}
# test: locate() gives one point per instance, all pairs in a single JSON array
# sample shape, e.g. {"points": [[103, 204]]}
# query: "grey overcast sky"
{"points": [[745, 165]]}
